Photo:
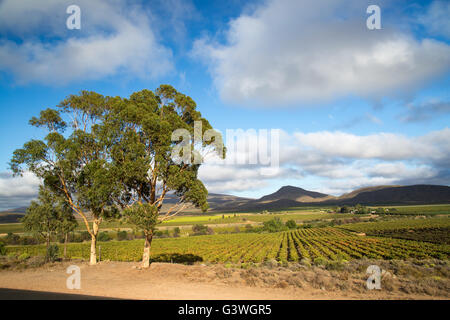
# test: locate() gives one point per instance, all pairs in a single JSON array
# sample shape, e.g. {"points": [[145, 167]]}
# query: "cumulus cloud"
{"points": [[335, 162], [425, 111], [17, 191], [287, 51], [114, 39], [436, 18], [340, 161]]}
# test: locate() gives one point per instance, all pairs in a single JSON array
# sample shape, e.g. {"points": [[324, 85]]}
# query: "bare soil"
{"points": [[173, 281]]}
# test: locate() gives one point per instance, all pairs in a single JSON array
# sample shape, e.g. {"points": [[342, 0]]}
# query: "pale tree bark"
{"points": [[65, 245], [94, 233], [147, 246]]}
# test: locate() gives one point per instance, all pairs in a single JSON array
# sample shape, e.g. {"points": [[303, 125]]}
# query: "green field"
{"points": [[435, 229], [202, 219], [395, 224], [420, 209], [315, 243]]}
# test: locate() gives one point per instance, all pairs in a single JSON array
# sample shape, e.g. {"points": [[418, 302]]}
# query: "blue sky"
{"points": [[356, 107]]}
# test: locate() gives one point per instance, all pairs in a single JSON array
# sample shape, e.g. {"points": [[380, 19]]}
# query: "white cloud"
{"points": [[330, 162], [287, 51], [17, 191], [436, 18], [425, 111], [340, 161], [114, 39]]}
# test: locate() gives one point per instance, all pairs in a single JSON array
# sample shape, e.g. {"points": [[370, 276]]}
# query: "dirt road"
{"points": [[166, 282]]}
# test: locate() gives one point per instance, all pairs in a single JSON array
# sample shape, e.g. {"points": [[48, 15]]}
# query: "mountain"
{"points": [[16, 210], [216, 201], [289, 196], [296, 194], [356, 192], [416, 194]]}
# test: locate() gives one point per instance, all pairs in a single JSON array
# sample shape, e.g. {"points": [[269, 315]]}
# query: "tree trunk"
{"points": [[147, 246], [47, 245], [65, 245], [93, 260]]}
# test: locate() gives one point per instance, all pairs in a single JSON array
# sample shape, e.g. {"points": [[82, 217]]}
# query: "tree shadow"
{"points": [[177, 258]]}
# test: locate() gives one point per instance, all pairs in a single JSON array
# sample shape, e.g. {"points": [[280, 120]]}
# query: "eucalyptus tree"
{"points": [[158, 142], [42, 216], [73, 160]]}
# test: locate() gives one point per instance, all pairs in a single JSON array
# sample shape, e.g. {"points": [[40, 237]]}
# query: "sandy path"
{"points": [[161, 281]]}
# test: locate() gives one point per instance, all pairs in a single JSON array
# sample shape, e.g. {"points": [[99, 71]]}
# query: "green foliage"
{"points": [[200, 229], [359, 209], [50, 215], [144, 216], [344, 209], [72, 160], [24, 256], [118, 152], [291, 224], [274, 225], [122, 235], [2, 249], [85, 236], [176, 232], [300, 245], [103, 236], [53, 252]]}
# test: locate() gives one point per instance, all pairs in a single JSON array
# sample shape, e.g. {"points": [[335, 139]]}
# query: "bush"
{"points": [[274, 225], [200, 229], [12, 239], [85, 236], [122, 235], [320, 261], [24, 256], [2, 249], [291, 224], [176, 232], [53, 252], [104, 236]]}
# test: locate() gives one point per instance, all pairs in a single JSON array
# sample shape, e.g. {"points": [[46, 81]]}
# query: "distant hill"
{"points": [[289, 196], [416, 194], [296, 194], [16, 210], [356, 192]]}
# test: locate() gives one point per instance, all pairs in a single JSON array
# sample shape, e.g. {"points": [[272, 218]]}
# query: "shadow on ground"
{"points": [[14, 294], [177, 258]]}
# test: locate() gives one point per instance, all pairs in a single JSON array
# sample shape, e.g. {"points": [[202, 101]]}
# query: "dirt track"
{"points": [[166, 281]]}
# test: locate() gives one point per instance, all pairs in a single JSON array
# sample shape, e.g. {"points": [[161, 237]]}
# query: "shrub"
{"points": [[53, 252], [104, 236], [274, 225], [24, 256], [200, 229], [85, 236], [122, 235], [2, 249], [291, 224], [344, 209], [176, 232], [320, 261], [12, 238]]}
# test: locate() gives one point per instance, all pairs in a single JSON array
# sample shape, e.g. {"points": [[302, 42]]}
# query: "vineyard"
{"points": [[313, 243], [436, 230]]}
